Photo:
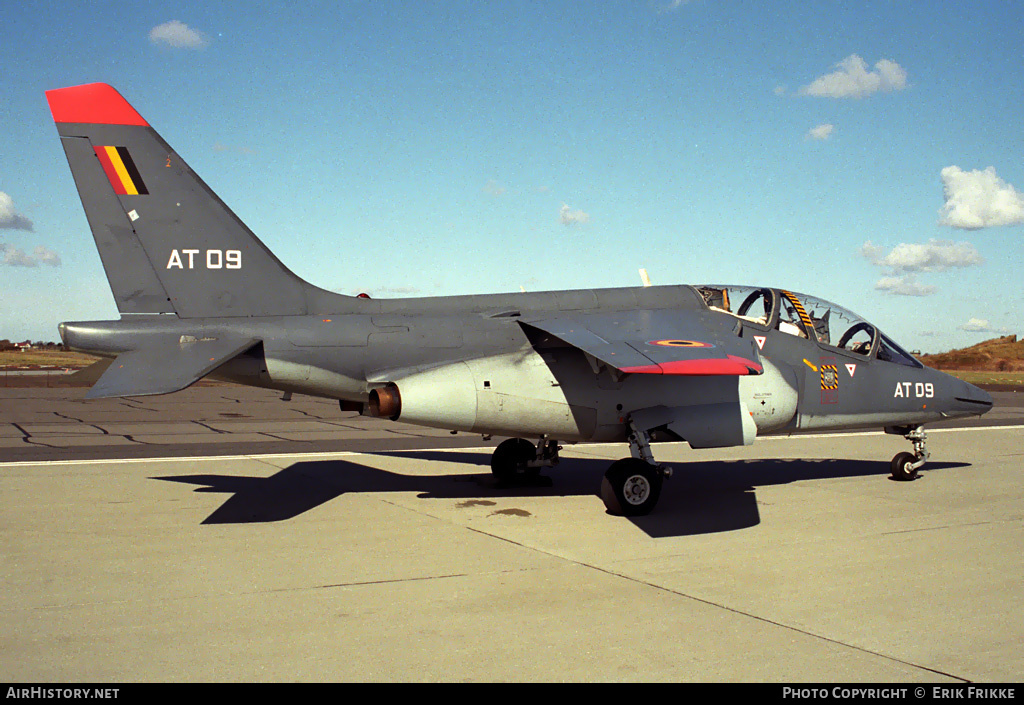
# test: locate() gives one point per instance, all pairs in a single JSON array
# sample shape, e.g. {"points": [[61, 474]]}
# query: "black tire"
{"points": [[509, 459], [631, 487], [900, 467]]}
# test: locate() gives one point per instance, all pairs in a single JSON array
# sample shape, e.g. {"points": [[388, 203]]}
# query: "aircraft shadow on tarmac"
{"points": [[700, 498]]}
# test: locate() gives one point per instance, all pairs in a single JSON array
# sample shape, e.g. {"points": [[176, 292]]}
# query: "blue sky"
{"points": [[868, 153]]}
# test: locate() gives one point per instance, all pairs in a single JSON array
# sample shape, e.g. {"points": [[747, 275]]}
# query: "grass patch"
{"points": [[34, 359], [1014, 379]]}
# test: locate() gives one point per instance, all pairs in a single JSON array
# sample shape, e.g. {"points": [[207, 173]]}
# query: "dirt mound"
{"points": [[1005, 354]]}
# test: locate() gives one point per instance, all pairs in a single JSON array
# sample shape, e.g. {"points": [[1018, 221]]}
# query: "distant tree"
{"points": [[6, 344]]}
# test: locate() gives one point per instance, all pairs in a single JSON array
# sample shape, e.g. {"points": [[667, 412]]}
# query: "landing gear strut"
{"points": [[904, 465], [517, 458], [632, 486]]}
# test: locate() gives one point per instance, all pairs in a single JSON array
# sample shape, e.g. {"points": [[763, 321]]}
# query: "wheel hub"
{"points": [[636, 489]]}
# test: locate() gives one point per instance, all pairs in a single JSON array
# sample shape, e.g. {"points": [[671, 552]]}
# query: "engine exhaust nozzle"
{"points": [[386, 401]]}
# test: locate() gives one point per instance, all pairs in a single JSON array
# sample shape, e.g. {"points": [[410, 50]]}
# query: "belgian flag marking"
{"points": [[121, 170]]}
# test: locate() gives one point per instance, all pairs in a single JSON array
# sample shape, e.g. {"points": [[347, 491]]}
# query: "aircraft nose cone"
{"points": [[62, 328], [975, 399], [983, 396]]}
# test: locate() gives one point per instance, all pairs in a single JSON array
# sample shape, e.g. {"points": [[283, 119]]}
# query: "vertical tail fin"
{"points": [[167, 242]]}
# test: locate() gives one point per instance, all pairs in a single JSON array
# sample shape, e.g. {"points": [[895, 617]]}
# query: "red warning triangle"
{"points": [[851, 368], [759, 339]]}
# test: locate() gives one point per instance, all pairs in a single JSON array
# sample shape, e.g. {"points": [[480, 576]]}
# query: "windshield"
{"points": [[832, 325], [891, 352], [806, 316], [750, 303]]}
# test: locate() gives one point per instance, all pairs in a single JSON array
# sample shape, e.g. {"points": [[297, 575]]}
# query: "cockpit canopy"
{"points": [[810, 317]]}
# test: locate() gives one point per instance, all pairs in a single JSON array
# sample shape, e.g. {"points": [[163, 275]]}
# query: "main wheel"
{"points": [[900, 467], [510, 458], [631, 487]]}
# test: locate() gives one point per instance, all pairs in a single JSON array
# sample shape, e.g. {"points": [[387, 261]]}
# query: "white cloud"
{"points": [[10, 218], [980, 325], [851, 79], [873, 253], [46, 256], [821, 132], [905, 285], [178, 35], [978, 199], [14, 257], [571, 217], [906, 260], [673, 5], [933, 256], [493, 188]]}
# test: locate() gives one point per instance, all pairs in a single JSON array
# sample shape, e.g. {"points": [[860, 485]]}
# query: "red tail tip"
{"points": [[95, 103]]}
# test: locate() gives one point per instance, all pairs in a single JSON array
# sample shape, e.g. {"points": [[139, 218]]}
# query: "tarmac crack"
{"points": [[937, 528], [229, 594], [31, 440], [306, 413], [136, 406], [136, 440], [717, 605], [65, 416], [268, 434], [35, 442], [363, 583], [776, 623]]}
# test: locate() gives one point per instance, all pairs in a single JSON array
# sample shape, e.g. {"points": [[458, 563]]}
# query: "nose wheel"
{"points": [[904, 465]]}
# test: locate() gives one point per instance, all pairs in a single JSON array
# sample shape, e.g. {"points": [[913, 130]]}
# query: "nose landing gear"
{"points": [[904, 465]]}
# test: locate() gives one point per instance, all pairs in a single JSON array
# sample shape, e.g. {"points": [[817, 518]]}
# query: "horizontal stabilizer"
{"points": [[91, 374], [660, 342], [166, 368]]}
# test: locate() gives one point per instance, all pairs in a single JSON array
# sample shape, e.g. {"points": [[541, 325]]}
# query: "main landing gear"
{"points": [[904, 465], [632, 486], [517, 459]]}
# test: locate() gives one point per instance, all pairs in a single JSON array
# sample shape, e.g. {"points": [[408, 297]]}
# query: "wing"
{"points": [[661, 341]]}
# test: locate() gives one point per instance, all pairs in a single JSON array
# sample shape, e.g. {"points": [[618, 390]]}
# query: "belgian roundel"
{"points": [[673, 343]]}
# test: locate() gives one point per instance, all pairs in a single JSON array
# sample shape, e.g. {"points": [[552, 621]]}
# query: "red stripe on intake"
{"points": [[95, 103], [733, 366], [115, 179]]}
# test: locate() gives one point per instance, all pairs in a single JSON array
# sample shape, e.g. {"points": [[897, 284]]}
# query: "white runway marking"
{"points": [[479, 449]]}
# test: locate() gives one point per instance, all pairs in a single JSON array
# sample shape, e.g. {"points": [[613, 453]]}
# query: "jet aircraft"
{"points": [[713, 365]]}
